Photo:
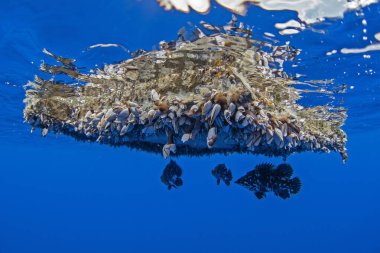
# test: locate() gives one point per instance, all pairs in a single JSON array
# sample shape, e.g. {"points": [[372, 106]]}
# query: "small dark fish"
{"points": [[268, 178], [171, 176], [220, 172]]}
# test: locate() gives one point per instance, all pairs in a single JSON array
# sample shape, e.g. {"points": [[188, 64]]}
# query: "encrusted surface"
{"points": [[223, 92]]}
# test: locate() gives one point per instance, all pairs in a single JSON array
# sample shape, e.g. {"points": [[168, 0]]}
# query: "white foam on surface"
{"points": [[309, 11]]}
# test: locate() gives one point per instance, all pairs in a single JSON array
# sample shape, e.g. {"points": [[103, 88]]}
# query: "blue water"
{"points": [[61, 195]]}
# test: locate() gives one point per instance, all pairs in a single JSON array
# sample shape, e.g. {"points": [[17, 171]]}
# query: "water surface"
{"points": [[61, 195]]}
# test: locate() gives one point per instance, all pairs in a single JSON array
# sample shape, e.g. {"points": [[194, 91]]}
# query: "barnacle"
{"points": [[219, 91]]}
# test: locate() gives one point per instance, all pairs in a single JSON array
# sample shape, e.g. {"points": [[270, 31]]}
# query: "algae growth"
{"points": [[216, 90]]}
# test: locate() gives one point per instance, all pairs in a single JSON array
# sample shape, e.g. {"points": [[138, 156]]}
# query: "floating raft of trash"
{"points": [[214, 91]]}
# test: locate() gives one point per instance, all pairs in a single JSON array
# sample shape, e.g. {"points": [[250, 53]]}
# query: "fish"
{"points": [[266, 177]]}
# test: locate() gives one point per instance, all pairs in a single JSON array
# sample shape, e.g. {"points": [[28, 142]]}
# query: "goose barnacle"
{"points": [[227, 116], [135, 102], [207, 107], [167, 149], [239, 116], [214, 113], [232, 108], [185, 138], [154, 95], [211, 137], [44, 132], [278, 137], [123, 115]]}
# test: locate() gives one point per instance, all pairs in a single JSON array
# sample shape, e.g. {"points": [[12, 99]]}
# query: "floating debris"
{"points": [[222, 173], [369, 48], [65, 61], [171, 176], [267, 178], [218, 93]]}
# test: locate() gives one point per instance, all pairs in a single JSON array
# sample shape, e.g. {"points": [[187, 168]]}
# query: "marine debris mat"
{"points": [[215, 90]]}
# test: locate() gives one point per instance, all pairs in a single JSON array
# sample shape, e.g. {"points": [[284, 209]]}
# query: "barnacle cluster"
{"points": [[268, 178], [216, 90]]}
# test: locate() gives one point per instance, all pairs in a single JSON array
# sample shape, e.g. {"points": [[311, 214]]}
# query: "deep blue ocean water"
{"points": [[61, 195]]}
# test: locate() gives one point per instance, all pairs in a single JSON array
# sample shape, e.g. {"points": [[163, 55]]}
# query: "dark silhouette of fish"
{"points": [[171, 176], [221, 173], [268, 178]]}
